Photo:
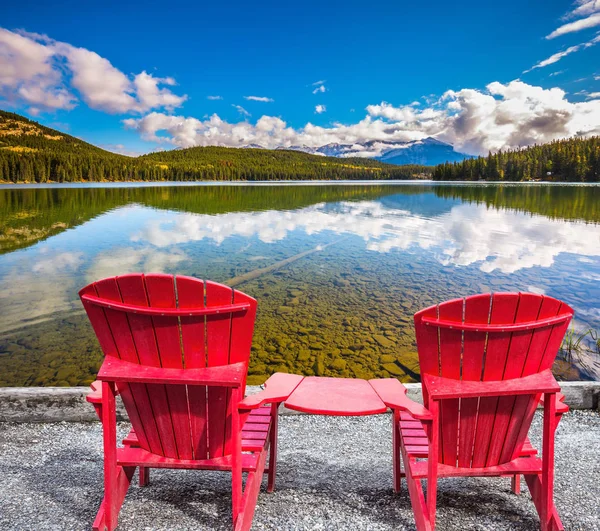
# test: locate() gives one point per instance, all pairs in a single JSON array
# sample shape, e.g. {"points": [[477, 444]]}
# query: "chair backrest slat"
{"points": [[490, 430], [450, 350], [161, 294], [133, 291], [135, 397], [477, 310], [185, 422], [190, 294], [218, 334]]}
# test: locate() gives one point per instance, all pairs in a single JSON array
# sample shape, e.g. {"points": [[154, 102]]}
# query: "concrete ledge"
{"points": [[68, 404]]}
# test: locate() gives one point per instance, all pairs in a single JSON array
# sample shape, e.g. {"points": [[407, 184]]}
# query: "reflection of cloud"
{"points": [[46, 288], [61, 261], [125, 260], [502, 240]]}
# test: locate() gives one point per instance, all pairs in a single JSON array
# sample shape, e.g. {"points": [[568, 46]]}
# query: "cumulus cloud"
{"points": [[264, 99], [47, 74], [320, 109], [559, 55], [214, 97], [28, 73], [502, 116], [320, 88]]}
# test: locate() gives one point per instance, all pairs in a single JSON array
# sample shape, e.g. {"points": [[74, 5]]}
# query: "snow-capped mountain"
{"points": [[428, 151]]}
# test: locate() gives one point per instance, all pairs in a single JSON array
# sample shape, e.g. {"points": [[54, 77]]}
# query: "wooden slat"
{"points": [[427, 345], [393, 394], [242, 328], [504, 309], [218, 329], [251, 426], [161, 294], [450, 364], [190, 294], [133, 291], [135, 396], [140, 457], [477, 309], [164, 311], [114, 370], [503, 327], [507, 422], [526, 465]]}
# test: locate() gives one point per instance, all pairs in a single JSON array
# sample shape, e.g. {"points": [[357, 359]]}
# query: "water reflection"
{"points": [[467, 234], [338, 270]]}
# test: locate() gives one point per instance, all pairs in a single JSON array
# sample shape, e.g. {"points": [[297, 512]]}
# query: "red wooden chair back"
{"points": [[484, 337], [185, 422]]}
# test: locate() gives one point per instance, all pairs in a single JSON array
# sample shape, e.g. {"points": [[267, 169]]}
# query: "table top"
{"points": [[335, 396]]}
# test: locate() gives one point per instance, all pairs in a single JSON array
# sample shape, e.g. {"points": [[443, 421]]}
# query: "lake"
{"points": [[338, 269]]}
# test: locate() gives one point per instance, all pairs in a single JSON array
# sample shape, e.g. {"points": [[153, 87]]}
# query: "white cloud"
{"points": [[583, 8], [214, 97], [241, 110], [320, 88], [578, 25], [320, 82], [28, 73], [475, 121], [259, 98], [593, 95], [320, 109], [42, 72], [559, 55]]}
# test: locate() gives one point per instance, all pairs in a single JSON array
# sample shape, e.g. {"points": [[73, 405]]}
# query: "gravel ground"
{"points": [[334, 473]]}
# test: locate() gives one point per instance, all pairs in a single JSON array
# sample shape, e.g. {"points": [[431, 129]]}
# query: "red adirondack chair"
{"points": [[485, 364], [176, 351]]}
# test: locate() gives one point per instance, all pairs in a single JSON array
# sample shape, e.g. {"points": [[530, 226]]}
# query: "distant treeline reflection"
{"points": [[28, 215]]}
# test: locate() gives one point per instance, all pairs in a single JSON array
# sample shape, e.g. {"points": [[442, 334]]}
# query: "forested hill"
{"points": [[30, 152], [572, 160]]}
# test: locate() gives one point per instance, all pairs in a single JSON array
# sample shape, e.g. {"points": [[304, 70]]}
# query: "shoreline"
{"points": [[68, 404], [7, 185]]}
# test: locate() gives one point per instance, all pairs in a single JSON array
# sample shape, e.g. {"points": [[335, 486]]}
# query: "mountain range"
{"points": [[426, 152]]}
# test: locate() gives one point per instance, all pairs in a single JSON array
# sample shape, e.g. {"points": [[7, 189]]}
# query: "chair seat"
{"points": [[414, 438], [255, 432]]}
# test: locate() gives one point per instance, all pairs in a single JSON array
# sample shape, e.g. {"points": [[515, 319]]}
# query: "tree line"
{"points": [[571, 160], [30, 152]]}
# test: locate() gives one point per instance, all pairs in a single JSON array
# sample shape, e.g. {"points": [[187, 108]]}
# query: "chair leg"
{"points": [[396, 459], [144, 476], [432, 460], [541, 486], [417, 499], [273, 447], [116, 479], [250, 495], [515, 484]]}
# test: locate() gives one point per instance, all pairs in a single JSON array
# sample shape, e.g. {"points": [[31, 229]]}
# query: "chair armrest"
{"points": [[115, 370], [561, 407], [95, 395], [442, 388], [393, 394], [278, 388]]}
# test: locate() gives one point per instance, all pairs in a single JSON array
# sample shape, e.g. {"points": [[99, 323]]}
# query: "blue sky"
{"points": [[373, 59]]}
